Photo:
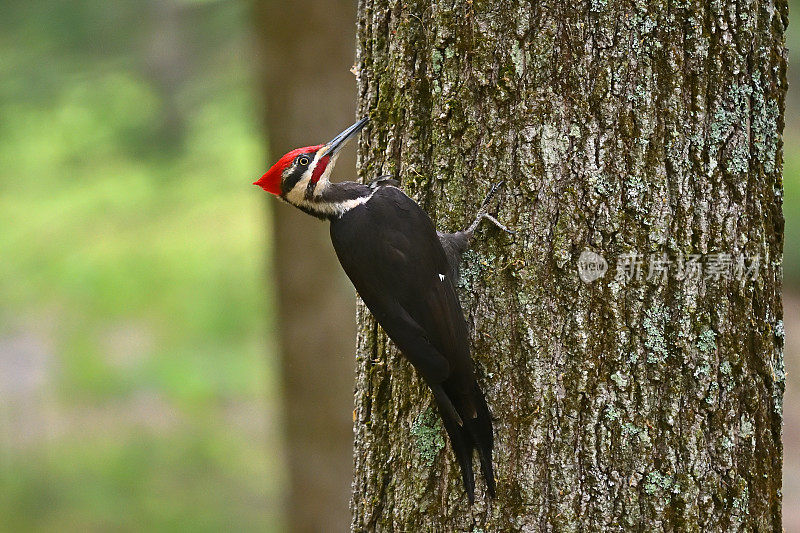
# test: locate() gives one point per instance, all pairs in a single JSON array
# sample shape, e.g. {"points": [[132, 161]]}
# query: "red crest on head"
{"points": [[271, 180]]}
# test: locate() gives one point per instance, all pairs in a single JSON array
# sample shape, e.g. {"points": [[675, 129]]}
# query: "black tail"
{"points": [[474, 434], [480, 428]]}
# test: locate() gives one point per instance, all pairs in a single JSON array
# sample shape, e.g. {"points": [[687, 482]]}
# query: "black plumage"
{"points": [[391, 252]]}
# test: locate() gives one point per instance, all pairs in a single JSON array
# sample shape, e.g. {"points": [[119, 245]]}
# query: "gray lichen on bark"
{"points": [[621, 127]]}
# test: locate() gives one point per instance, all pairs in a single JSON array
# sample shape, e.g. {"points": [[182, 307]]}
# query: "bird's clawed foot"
{"points": [[483, 213], [490, 218]]}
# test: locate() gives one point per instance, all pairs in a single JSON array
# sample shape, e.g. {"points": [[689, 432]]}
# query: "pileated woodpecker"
{"points": [[405, 272]]}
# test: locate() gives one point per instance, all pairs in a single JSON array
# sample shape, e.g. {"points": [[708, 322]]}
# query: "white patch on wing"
{"points": [[441, 277]]}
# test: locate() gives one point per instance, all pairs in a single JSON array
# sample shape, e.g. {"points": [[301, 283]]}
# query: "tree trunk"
{"points": [[308, 48], [648, 133]]}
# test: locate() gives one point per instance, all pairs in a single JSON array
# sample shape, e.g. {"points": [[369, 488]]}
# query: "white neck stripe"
{"points": [[335, 209]]}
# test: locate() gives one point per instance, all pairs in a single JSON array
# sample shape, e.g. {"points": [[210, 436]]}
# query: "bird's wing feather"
{"points": [[389, 249]]}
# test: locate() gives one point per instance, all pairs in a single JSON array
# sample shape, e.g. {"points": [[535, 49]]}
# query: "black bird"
{"points": [[405, 272]]}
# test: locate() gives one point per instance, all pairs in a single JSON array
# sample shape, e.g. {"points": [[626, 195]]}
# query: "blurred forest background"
{"points": [[138, 383]]}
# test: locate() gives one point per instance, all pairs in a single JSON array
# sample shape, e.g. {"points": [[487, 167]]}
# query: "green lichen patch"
{"points": [[470, 270], [702, 371], [612, 413], [745, 427], [706, 341], [428, 437], [599, 5], [654, 323], [731, 112], [764, 126], [656, 481], [620, 379], [741, 502], [713, 392], [729, 116], [630, 430]]}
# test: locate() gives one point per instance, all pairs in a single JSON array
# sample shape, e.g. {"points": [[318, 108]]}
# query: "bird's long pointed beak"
{"points": [[338, 142]]}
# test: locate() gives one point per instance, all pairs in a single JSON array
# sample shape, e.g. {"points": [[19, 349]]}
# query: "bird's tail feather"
{"points": [[474, 434], [462, 447], [480, 429]]}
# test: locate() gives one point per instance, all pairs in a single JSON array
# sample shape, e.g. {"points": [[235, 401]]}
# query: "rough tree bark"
{"points": [[308, 48], [621, 127]]}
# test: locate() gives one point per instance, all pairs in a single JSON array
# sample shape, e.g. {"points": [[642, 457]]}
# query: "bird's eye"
{"points": [[303, 161]]}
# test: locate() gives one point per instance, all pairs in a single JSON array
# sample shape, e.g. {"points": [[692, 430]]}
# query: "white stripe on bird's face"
{"points": [[297, 194]]}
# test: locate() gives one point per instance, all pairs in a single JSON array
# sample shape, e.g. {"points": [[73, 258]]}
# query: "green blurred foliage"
{"points": [[131, 271]]}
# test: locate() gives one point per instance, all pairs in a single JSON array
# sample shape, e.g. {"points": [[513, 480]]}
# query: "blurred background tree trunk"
{"points": [[648, 401], [309, 48]]}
